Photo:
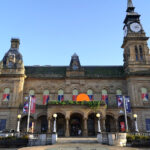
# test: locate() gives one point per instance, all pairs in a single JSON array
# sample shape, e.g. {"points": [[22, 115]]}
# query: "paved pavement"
{"points": [[89, 146]]}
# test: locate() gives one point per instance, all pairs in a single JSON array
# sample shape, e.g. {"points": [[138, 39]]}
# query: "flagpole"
{"points": [[29, 113], [125, 114]]}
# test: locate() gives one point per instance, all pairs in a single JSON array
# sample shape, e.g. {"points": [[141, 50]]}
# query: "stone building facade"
{"points": [[132, 79]]}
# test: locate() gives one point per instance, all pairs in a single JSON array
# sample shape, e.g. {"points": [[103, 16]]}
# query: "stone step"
{"points": [[76, 140]]}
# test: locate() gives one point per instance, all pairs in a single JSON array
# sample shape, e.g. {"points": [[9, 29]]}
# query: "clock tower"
{"points": [[136, 51]]}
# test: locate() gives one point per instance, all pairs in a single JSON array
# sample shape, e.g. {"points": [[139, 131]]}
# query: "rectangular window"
{"points": [[148, 125], [2, 124]]}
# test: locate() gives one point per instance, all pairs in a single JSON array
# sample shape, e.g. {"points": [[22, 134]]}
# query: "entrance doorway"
{"points": [[76, 124], [42, 124], [61, 125], [23, 124], [121, 124], [91, 124], [110, 124]]}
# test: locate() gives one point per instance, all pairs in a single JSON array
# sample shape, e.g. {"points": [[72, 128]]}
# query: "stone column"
{"points": [[117, 128], [85, 131], [49, 125], [103, 125], [67, 134], [34, 126]]}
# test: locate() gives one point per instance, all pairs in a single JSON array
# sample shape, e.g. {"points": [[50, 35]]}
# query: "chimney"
{"points": [[15, 43]]}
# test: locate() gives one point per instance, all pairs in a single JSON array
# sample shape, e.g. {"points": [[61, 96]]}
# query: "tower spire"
{"points": [[130, 7]]}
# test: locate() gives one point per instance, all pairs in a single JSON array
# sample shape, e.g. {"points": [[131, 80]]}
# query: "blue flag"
{"points": [[119, 101], [128, 104]]}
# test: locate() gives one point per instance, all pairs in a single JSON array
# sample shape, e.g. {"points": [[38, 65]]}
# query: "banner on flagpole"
{"points": [[33, 104], [119, 101], [26, 106], [128, 104]]}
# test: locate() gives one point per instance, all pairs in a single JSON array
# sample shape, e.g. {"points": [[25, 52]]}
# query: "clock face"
{"points": [[75, 67], [125, 31], [135, 27]]}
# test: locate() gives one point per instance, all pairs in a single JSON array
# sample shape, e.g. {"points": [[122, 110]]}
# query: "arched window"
{"points": [[60, 95], [118, 92], [128, 53], [144, 94], [31, 93], [105, 96], [6, 94], [74, 94], [136, 53], [45, 97], [90, 94], [141, 52]]}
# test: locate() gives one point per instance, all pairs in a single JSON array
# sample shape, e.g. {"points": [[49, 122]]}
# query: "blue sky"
{"points": [[50, 31]]}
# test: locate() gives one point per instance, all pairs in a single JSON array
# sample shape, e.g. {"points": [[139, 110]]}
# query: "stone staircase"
{"points": [[77, 140]]}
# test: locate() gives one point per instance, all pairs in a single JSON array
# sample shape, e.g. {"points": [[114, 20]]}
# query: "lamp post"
{"points": [[135, 120], [99, 125], [18, 125], [99, 135], [54, 129], [54, 135]]}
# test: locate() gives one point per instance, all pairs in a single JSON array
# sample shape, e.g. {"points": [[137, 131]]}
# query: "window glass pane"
{"points": [[128, 52], [60, 92], [6, 90], [148, 124], [141, 52], [136, 52], [2, 124], [89, 92], [118, 92], [31, 92], [75, 92], [104, 92], [144, 90], [46, 92]]}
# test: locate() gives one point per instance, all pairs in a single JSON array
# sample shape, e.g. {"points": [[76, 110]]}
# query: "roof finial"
{"points": [[130, 7], [130, 4]]}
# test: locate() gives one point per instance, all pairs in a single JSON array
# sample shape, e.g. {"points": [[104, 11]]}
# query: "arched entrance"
{"points": [[76, 127], [121, 123], [23, 124], [42, 124], [61, 124], [91, 124], [110, 124]]}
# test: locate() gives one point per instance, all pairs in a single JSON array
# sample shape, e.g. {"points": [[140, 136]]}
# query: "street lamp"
{"points": [[99, 126], [55, 116], [18, 125], [135, 120]]}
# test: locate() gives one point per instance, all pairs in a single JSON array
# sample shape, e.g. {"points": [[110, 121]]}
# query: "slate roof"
{"points": [[60, 71]]}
